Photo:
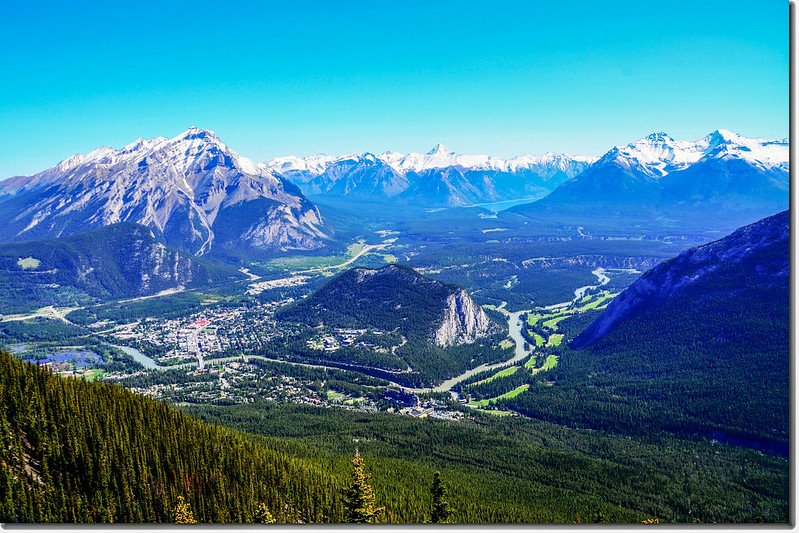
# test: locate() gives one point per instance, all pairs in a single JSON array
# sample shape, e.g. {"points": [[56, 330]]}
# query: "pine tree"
{"points": [[359, 499], [441, 511], [263, 516], [183, 514]]}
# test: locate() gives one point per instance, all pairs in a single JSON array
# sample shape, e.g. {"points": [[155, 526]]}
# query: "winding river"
{"points": [[515, 325]]}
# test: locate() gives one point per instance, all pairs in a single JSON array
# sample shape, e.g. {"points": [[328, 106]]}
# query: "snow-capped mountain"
{"points": [[192, 190], [658, 154], [438, 177], [657, 174]]}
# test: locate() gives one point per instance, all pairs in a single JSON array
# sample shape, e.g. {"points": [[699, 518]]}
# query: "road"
{"points": [[365, 250], [55, 313]]}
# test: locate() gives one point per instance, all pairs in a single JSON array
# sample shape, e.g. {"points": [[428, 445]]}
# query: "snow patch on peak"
{"points": [[440, 150], [658, 154]]}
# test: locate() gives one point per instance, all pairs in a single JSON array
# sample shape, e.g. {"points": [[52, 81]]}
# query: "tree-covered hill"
{"points": [[698, 346], [74, 451], [77, 451], [390, 298], [444, 332], [117, 261]]}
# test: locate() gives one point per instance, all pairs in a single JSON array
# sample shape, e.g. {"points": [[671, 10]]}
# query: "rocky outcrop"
{"points": [[464, 321]]}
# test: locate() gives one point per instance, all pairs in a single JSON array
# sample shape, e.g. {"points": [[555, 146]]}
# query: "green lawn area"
{"points": [[501, 374], [552, 323], [93, 374], [355, 249], [533, 318], [390, 258], [334, 395], [505, 344], [550, 363], [354, 401], [508, 395], [555, 339], [539, 340], [597, 300], [530, 362]]}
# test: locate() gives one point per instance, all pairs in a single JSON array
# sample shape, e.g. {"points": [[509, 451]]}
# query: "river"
{"points": [[140, 358], [515, 325]]}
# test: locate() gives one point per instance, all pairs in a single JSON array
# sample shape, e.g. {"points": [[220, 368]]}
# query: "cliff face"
{"points": [[464, 321]]}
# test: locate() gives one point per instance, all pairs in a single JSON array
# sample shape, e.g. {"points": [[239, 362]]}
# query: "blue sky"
{"points": [[301, 77]]}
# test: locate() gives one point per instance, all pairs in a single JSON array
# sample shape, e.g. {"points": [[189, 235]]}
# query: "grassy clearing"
{"points": [[355, 248], [555, 339], [501, 374], [390, 258], [596, 300], [334, 395], [552, 323], [354, 401], [550, 363], [505, 344], [533, 318], [508, 395], [28, 263], [93, 374], [539, 340]]}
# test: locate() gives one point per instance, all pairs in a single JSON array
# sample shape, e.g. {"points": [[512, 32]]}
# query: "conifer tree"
{"points": [[359, 499], [263, 516], [441, 510], [183, 514]]}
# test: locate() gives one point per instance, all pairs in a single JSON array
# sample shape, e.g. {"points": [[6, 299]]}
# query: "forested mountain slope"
{"points": [[77, 451], [117, 261], [74, 451], [698, 346]]}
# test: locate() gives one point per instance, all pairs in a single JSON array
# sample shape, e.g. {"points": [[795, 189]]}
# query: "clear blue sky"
{"points": [[281, 77]]}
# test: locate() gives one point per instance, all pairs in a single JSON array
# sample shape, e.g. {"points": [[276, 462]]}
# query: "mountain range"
{"points": [[722, 174], [122, 260], [199, 196], [439, 177], [192, 190]]}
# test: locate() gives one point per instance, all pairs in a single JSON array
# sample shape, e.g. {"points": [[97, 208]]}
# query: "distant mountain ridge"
{"points": [[658, 175], [194, 191], [438, 177]]}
